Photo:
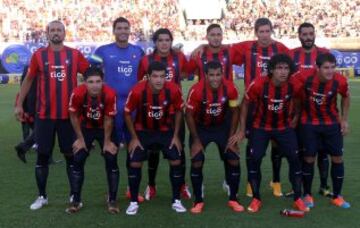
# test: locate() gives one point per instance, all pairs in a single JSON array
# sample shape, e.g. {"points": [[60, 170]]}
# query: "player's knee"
{"points": [[42, 160], [135, 164], [175, 162], [233, 162], [111, 161], [309, 159], [199, 157], [337, 159]]}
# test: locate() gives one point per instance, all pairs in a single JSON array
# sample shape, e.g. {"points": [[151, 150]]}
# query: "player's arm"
{"points": [[110, 112], [130, 105], [297, 110], [75, 122], [345, 106], [24, 90]]}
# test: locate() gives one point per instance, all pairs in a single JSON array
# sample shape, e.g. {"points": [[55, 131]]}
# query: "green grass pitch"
{"points": [[18, 188]]}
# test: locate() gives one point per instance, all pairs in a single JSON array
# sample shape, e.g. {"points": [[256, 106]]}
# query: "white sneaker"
{"points": [[226, 188], [132, 208], [178, 207], [39, 203], [71, 200]]}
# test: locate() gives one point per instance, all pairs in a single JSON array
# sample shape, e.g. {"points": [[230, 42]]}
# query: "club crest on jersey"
{"points": [[169, 74], [58, 72], [318, 98], [214, 109], [93, 113], [155, 112]]}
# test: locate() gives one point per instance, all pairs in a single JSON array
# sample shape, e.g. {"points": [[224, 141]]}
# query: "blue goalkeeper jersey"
{"points": [[120, 66]]}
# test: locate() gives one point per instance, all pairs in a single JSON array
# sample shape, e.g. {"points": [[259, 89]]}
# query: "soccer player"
{"points": [[158, 105], [255, 55], [120, 61], [55, 68], [176, 69], [214, 51], [305, 62], [321, 123], [92, 109], [213, 107], [274, 97]]}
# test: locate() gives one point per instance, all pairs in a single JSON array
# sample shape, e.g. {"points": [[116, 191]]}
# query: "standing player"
{"points": [[176, 64], [92, 110], [158, 106], [321, 123], [55, 67], [120, 61], [305, 62], [213, 107], [273, 96], [255, 55]]}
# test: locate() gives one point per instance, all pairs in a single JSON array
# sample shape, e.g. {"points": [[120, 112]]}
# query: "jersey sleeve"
{"points": [[142, 69], [132, 101], [344, 89], [177, 98], [193, 100], [191, 65], [234, 100], [253, 91], [83, 64], [110, 104], [236, 53], [75, 102], [33, 67]]}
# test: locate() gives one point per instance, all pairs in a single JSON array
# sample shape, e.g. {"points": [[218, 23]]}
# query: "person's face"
{"points": [[327, 71], [281, 73], [214, 77], [56, 33], [121, 32], [163, 43], [157, 79], [307, 37], [94, 85], [263, 35], [215, 37]]}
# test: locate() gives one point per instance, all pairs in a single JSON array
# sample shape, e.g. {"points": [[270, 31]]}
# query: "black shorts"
{"points": [[249, 119], [259, 140], [155, 139], [321, 137], [92, 134], [45, 130], [218, 135]]}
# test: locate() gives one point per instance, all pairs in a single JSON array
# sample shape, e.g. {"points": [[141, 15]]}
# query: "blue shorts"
{"points": [[155, 139], [122, 134], [325, 137], [218, 135], [285, 139], [45, 130]]}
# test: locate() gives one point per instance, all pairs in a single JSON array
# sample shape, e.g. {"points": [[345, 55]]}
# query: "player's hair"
{"points": [[160, 31], [281, 58], [212, 26], [325, 57], [93, 71], [212, 65], [120, 20], [52, 22], [156, 66], [262, 21], [305, 25]]}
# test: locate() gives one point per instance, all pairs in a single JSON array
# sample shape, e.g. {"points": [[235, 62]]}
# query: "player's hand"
{"points": [[235, 139], [233, 148], [19, 113], [176, 142], [110, 147], [78, 145], [344, 127], [134, 143], [198, 51], [196, 147]]}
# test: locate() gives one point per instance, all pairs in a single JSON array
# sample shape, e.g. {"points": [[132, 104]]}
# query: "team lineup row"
{"points": [[148, 115]]}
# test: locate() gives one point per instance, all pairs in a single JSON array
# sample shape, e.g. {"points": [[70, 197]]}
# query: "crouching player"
{"points": [[212, 115], [321, 123], [273, 96], [158, 105], [92, 110]]}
